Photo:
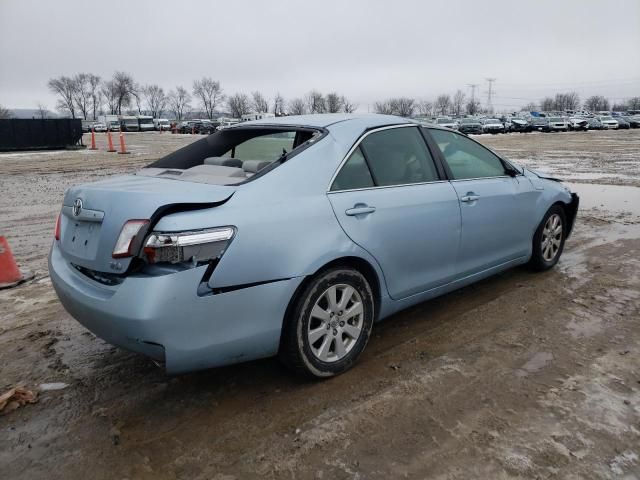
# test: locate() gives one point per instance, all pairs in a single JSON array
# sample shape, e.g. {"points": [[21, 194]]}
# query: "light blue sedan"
{"points": [[293, 236]]}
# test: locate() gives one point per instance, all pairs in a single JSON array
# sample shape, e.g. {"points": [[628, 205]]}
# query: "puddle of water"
{"points": [[590, 176], [584, 326], [615, 198], [535, 363]]}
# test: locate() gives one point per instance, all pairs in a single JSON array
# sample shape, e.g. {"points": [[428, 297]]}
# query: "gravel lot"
{"points": [[520, 376]]}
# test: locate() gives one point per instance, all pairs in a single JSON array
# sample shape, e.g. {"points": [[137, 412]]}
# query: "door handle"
{"points": [[469, 197], [359, 209]]}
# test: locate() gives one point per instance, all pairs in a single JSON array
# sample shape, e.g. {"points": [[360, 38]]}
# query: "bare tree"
{"points": [[259, 103], [297, 106], [458, 102], [123, 86], [94, 93], [4, 112], [596, 103], [334, 102], [425, 108], [529, 107], [384, 107], [403, 106], [473, 106], [547, 104], [42, 111], [347, 105], [443, 104], [64, 88], [278, 105], [566, 101], [155, 100], [137, 94], [178, 102], [82, 94], [209, 94], [633, 103], [315, 102], [108, 91], [239, 104]]}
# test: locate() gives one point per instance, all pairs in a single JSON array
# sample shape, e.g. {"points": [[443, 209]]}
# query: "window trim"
{"points": [[376, 187], [449, 174]]}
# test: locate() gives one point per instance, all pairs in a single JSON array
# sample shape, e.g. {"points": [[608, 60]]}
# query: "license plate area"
{"points": [[81, 239]]}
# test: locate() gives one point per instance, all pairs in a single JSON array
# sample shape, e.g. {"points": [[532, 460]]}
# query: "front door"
{"points": [[496, 208]]}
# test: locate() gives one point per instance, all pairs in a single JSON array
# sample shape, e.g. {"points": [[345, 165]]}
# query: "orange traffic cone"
{"points": [[111, 149], [93, 140], [10, 274], [123, 149]]}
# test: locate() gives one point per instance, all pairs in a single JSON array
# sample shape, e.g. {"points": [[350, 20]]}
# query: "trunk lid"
{"points": [[89, 233]]}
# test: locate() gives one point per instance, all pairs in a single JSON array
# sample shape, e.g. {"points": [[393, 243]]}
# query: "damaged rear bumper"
{"points": [[164, 318]]}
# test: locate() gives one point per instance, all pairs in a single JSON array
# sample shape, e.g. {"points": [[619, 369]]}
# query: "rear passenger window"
{"points": [[466, 158], [354, 173], [398, 156]]}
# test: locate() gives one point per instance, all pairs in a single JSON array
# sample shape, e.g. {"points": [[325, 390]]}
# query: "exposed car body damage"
{"points": [[197, 259]]}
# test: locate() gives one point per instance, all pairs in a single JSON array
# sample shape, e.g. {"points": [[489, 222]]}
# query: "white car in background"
{"points": [[609, 122], [447, 123], [99, 127], [558, 124], [492, 125]]}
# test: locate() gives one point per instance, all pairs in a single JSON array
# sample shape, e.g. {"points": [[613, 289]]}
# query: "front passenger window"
{"points": [[466, 158]]}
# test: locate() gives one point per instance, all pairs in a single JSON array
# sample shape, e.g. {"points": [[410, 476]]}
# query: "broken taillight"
{"points": [[127, 235], [195, 246], [57, 230]]}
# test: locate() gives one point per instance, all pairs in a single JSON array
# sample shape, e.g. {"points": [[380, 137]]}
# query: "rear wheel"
{"points": [[548, 241], [329, 324]]}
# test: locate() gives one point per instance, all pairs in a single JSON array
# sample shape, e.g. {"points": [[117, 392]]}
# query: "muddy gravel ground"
{"points": [[520, 376]]}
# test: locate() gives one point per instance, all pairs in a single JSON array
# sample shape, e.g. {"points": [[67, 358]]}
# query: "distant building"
{"points": [[256, 116]]}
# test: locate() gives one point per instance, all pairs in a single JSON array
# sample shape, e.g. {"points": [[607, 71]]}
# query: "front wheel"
{"points": [[329, 325], [548, 241]]}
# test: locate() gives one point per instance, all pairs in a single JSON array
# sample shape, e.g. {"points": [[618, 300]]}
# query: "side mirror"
{"points": [[512, 172]]}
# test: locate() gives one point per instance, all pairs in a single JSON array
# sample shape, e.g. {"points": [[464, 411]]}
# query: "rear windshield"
{"points": [[444, 120], [556, 119], [234, 155]]}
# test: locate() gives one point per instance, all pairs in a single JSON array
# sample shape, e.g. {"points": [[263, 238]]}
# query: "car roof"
{"points": [[324, 120]]}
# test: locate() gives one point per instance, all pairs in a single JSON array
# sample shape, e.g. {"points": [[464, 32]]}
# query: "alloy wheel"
{"points": [[335, 323], [551, 237]]}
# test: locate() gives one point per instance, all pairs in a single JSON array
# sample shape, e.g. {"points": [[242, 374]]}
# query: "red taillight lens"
{"points": [[57, 231], [127, 235]]}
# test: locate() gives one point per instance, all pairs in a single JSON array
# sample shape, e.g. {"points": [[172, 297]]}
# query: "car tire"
{"points": [[325, 345], [548, 241]]}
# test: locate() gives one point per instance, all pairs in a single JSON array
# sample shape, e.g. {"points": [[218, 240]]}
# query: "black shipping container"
{"points": [[39, 134]]}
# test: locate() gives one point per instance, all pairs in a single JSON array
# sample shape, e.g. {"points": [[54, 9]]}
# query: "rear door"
{"points": [[391, 200], [497, 210]]}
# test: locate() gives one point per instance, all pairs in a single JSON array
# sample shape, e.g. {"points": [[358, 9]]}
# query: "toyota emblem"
{"points": [[77, 207]]}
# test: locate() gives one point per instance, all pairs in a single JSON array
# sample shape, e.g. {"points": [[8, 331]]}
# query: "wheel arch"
{"points": [[358, 263], [570, 212]]}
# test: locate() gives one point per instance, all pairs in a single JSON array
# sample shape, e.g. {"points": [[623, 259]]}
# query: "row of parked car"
{"points": [[550, 123]]}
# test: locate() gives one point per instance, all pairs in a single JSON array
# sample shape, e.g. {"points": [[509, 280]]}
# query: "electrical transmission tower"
{"points": [[490, 93]]}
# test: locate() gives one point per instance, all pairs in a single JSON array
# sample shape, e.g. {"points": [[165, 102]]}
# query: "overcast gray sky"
{"points": [[366, 50]]}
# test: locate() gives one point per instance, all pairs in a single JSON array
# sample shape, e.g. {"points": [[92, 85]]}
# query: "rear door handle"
{"points": [[469, 197], [359, 209]]}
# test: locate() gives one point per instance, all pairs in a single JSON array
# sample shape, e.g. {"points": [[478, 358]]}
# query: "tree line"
{"points": [[85, 95]]}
